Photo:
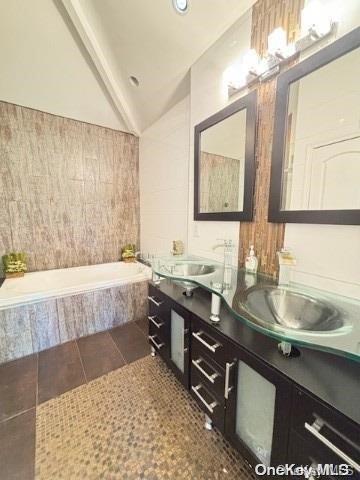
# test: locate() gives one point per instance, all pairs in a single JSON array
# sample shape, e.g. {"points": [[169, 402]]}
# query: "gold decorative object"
{"points": [[178, 247], [14, 264], [128, 253]]}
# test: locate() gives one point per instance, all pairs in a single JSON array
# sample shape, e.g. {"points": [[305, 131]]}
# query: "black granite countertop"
{"points": [[333, 379]]}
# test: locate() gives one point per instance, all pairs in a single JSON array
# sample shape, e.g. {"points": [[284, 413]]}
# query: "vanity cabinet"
{"points": [[169, 333], [265, 415], [244, 398]]}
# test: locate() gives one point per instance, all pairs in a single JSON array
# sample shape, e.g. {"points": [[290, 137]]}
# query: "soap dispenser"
{"points": [[251, 262]]}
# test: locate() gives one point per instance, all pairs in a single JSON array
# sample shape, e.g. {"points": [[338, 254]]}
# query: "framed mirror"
{"points": [[225, 163], [315, 172]]}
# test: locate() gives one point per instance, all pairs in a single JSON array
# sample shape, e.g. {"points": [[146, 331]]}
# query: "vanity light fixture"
{"points": [[181, 6], [236, 77], [317, 22]]}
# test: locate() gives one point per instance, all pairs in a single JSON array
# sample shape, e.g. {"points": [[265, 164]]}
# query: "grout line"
{"points": [[117, 347], [18, 414], [81, 361], [141, 330]]}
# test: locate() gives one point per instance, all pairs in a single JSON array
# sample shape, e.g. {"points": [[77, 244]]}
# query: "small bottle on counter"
{"points": [[251, 262]]}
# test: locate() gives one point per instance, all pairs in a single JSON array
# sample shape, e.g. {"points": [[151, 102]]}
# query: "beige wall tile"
{"points": [[15, 334], [69, 190]]}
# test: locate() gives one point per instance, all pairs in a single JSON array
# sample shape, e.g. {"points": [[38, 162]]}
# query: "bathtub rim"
{"points": [[33, 298]]}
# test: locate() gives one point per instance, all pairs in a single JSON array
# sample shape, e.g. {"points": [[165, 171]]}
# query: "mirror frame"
{"points": [[248, 102], [337, 49]]}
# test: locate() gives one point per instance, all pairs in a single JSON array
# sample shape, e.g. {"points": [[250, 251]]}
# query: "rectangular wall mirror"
{"points": [[225, 163], [315, 175]]}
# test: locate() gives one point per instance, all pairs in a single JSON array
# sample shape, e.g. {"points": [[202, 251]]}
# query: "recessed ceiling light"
{"points": [[134, 81], [181, 6]]}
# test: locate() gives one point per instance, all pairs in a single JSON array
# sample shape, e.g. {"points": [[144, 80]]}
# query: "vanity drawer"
{"points": [[158, 303], [208, 402], [210, 373], [159, 343], [157, 324], [160, 331], [324, 429], [302, 454], [205, 339]]}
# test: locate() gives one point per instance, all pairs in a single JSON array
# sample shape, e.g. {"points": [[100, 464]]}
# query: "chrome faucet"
{"points": [[228, 247]]}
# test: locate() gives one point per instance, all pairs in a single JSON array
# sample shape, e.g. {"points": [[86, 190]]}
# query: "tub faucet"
{"points": [[286, 262]]}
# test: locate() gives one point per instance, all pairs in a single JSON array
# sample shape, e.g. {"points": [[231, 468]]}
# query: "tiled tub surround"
{"points": [[69, 192], [39, 325]]}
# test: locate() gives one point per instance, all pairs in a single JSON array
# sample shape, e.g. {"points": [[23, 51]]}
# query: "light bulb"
{"points": [[235, 75], [276, 41], [315, 18], [251, 61]]}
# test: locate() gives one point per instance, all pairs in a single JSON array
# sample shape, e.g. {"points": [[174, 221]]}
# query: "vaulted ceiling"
{"points": [[148, 39]]}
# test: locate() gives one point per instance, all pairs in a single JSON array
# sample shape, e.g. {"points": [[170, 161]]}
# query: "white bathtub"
{"points": [[38, 286]]}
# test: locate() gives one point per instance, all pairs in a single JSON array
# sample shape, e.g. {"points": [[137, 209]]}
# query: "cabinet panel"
{"points": [[255, 416], [257, 410], [177, 340], [179, 345]]}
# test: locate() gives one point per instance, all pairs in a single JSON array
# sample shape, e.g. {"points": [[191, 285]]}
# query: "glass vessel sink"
{"points": [[294, 313], [291, 309], [188, 269]]}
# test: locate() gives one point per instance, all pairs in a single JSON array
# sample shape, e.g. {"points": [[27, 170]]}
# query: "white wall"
{"points": [[208, 95], [328, 256], [164, 164], [42, 66]]}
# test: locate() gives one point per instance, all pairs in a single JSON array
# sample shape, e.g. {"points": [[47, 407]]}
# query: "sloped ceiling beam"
{"points": [[114, 86]]}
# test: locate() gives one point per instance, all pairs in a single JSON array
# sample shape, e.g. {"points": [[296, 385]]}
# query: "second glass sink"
{"points": [[291, 309], [188, 269]]}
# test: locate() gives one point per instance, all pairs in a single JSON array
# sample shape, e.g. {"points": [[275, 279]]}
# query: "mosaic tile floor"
{"points": [[134, 423]]}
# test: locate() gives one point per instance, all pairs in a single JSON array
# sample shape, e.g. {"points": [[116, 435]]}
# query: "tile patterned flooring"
{"points": [[71, 412]]}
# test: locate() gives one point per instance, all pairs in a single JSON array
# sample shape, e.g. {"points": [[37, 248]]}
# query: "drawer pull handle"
{"points": [[227, 389], [212, 348], [200, 397], [152, 320], [211, 377], [152, 299], [157, 345], [314, 429]]}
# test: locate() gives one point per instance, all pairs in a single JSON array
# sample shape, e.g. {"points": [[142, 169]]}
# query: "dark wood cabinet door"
{"points": [[258, 405]]}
